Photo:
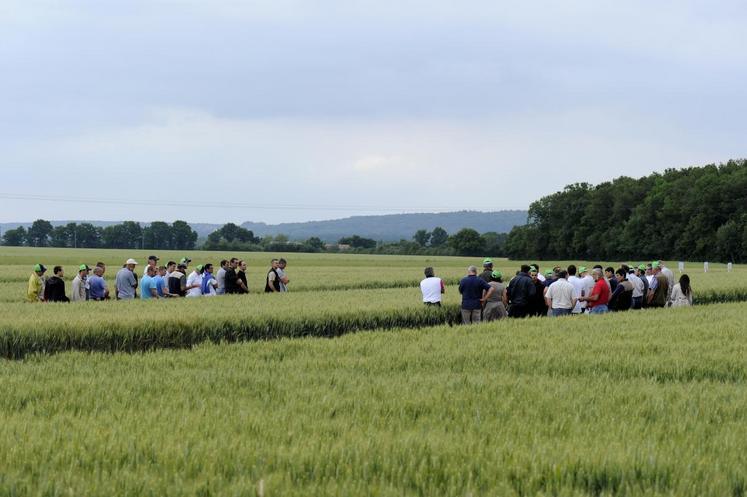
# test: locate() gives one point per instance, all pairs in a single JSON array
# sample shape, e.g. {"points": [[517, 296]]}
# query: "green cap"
{"points": [[642, 267], [83, 267], [582, 269], [532, 269], [185, 260], [496, 274], [199, 268], [39, 268], [655, 264], [486, 261], [549, 272]]}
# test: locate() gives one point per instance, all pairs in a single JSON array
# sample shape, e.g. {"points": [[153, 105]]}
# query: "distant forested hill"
{"points": [[393, 227]]}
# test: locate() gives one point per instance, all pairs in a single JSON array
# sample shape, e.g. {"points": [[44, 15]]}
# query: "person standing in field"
{"points": [[682, 293], [660, 289], [162, 286], [125, 281], [54, 290], [231, 279], [609, 275], [272, 281], [600, 294], [473, 293], [537, 304], [99, 289], [152, 262], [622, 296], [282, 263], [178, 281], [588, 281], [148, 288], [561, 296], [220, 278], [497, 300], [641, 273], [487, 270], [79, 284], [670, 279], [431, 287], [520, 289], [209, 284], [578, 288], [194, 282], [636, 299], [241, 280], [35, 290], [170, 268]]}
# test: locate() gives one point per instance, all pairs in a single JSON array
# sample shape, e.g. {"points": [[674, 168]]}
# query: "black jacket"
{"points": [[54, 291], [231, 278], [521, 289]]}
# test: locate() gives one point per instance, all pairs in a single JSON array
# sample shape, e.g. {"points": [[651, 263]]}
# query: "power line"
{"points": [[224, 205]]}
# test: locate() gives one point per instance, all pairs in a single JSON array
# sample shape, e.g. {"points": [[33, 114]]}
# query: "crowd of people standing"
{"points": [[171, 280], [561, 291]]}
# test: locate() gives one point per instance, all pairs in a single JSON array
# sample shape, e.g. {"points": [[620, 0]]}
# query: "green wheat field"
{"points": [[348, 386]]}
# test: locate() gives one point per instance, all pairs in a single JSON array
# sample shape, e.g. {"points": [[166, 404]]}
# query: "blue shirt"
{"points": [[471, 288], [159, 284], [146, 284], [98, 287]]}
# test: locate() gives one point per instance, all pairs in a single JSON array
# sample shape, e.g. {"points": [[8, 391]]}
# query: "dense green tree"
{"points": [[158, 236], [439, 237], [356, 241], [467, 242], [87, 236], [183, 237], [680, 214], [15, 237], [421, 237], [39, 232]]}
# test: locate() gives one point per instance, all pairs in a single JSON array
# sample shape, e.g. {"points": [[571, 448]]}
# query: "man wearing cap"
{"points": [[496, 301], [148, 289], [79, 284], [487, 270], [35, 292], [126, 283], [473, 293], [54, 289], [640, 271], [152, 262], [561, 296], [185, 261]]}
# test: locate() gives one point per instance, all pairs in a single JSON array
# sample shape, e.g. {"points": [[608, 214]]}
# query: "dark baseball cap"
{"points": [[153, 258]]}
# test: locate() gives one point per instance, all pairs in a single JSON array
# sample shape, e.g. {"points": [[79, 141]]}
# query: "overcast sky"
{"points": [[297, 110]]}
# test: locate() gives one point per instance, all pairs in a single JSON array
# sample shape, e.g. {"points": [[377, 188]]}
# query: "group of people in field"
{"points": [[172, 280], [561, 291]]}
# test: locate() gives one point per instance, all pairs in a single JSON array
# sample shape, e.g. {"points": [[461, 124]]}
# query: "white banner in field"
{"points": [[729, 267], [681, 266], [705, 267]]}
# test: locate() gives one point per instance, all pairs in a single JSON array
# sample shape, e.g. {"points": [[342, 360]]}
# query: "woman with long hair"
{"points": [[682, 293]]}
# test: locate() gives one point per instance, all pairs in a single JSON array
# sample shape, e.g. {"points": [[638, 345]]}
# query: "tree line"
{"points": [[696, 213], [127, 235]]}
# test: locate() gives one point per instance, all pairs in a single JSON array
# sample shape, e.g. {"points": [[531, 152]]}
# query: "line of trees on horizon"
{"points": [[160, 235], [696, 213]]}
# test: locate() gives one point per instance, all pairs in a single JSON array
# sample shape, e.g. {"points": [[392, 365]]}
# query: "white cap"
{"points": [[131, 261]]}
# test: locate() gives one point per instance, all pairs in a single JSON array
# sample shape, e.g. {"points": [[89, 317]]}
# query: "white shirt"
{"points": [[637, 285], [220, 278], [561, 293], [578, 285], [194, 278], [431, 288]]}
